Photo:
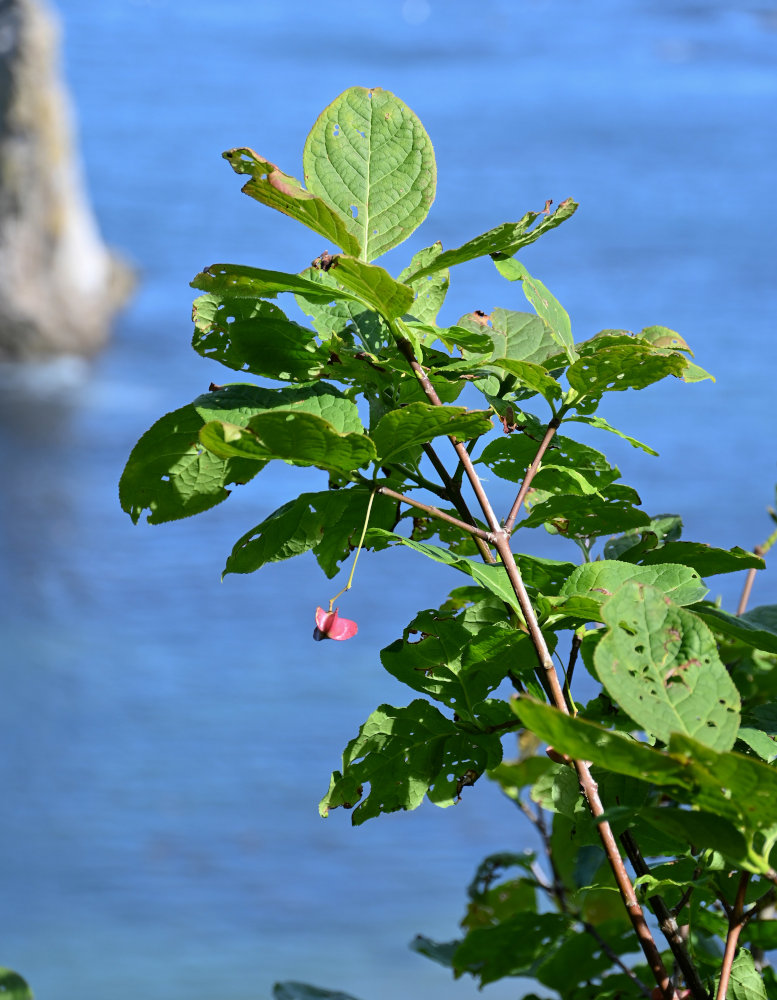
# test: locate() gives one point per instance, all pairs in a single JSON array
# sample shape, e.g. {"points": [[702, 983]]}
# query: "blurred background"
{"points": [[166, 737]]}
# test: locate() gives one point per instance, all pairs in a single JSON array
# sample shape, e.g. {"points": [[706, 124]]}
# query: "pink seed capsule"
{"points": [[329, 625]]}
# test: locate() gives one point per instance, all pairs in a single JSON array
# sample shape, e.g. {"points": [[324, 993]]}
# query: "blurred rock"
{"points": [[59, 284]]}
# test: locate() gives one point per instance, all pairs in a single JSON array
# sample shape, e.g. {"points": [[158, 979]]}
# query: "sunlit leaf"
{"points": [[546, 304], [430, 291], [237, 281], [746, 983], [272, 187], [660, 664], [517, 336], [601, 579], [373, 285], [706, 560], [506, 239], [626, 367], [369, 156]]}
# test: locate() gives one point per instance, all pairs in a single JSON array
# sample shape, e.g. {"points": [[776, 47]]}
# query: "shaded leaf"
{"points": [[369, 156], [270, 186], [254, 336], [506, 239], [706, 560], [700, 829], [405, 754], [741, 628], [510, 948], [510, 457], [584, 516], [419, 423], [545, 303], [13, 987], [531, 376]]}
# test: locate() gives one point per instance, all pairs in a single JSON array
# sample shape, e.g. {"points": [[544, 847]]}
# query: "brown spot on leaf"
{"points": [[481, 317]]}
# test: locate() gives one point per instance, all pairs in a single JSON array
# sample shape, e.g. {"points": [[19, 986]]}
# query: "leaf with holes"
{"points": [[518, 336], [419, 423], [236, 281], [169, 473], [297, 437], [614, 369], [430, 291], [250, 335], [374, 286], [660, 664], [369, 157], [405, 754], [603, 578], [504, 240], [546, 304], [270, 186]]}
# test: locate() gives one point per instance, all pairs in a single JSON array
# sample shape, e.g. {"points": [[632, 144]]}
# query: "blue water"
{"points": [[166, 736]]}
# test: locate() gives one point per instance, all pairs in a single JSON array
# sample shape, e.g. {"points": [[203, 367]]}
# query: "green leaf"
{"points": [[515, 336], [171, 475], [584, 516], [374, 286], [453, 665], [706, 560], [603, 578], [506, 239], [328, 522], [745, 982], [763, 744], [547, 306], [660, 664], [510, 457], [441, 952], [254, 336], [701, 829], [631, 366], [369, 156], [601, 423], [430, 291], [272, 187], [419, 423], [13, 987], [532, 376], [741, 628], [510, 948], [405, 754], [235, 281], [295, 436], [302, 991], [632, 545]]}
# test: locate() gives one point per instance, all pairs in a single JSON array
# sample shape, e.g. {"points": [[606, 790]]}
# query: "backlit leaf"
{"points": [[546, 304], [430, 291], [236, 281], [601, 579], [625, 367], [272, 187], [373, 285], [405, 754], [517, 336], [746, 983], [660, 664], [369, 156]]}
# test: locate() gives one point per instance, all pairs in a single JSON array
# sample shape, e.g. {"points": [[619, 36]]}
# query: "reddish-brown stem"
{"points": [[456, 497], [749, 581], [587, 784], [436, 512], [530, 474], [735, 925]]}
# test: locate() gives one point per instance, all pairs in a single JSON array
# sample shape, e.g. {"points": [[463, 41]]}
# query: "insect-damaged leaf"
{"points": [[250, 335], [660, 664], [419, 423], [405, 754], [237, 281], [272, 187], [517, 336], [603, 578], [294, 436], [506, 239], [627, 366], [430, 291], [369, 156], [325, 522], [373, 285]]}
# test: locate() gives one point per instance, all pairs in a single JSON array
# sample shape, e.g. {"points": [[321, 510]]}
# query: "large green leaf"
{"points": [[546, 304], [706, 560], [404, 754], [419, 423], [531, 376], [328, 522], [295, 436], [430, 291], [585, 516], [506, 239], [510, 948], [601, 579], [250, 335], [517, 336], [369, 157], [272, 187], [628, 366], [237, 281], [746, 983], [171, 475], [373, 285], [455, 665], [565, 460], [660, 664]]}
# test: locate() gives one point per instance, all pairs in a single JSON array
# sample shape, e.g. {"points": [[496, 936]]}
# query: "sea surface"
{"points": [[166, 737]]}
